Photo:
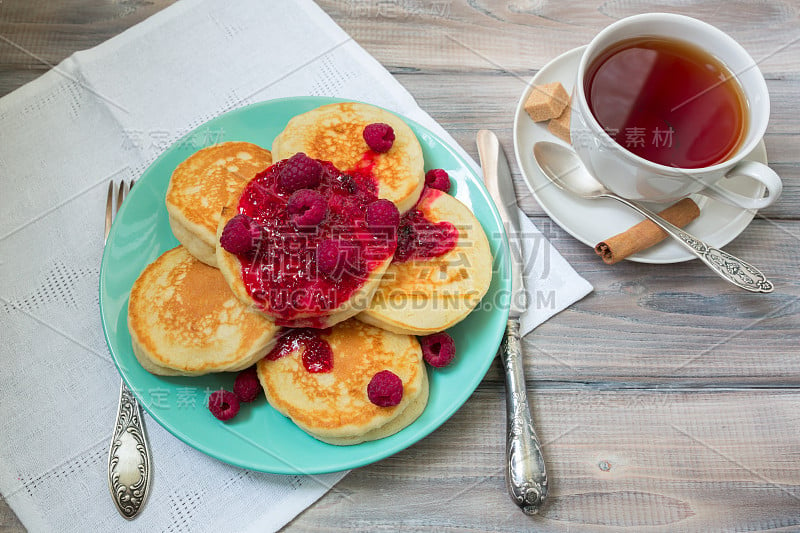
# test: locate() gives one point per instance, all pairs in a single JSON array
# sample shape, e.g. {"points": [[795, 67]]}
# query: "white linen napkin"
{"points": [[551, 283], [108, 113]]}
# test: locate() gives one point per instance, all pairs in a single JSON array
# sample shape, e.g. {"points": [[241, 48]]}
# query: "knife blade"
{"points": [[497, 177], [526, 475]]}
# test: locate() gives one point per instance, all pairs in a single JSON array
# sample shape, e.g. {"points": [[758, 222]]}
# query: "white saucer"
{"points": [[591, 221]]}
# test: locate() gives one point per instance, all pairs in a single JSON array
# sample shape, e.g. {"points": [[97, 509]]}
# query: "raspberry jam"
{"points": [[317, 353], [282, 273], [418, 238], [363, 171]]}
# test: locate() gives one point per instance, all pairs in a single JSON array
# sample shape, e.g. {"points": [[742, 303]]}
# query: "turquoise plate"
{"points": [[260, 438]]}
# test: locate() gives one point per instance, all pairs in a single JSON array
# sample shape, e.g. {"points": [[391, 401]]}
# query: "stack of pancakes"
{"points": [[187, 317]]}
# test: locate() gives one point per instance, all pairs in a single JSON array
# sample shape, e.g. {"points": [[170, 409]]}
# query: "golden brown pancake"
{"points": [[333, 406], [184, 320], [202, 184], [334, 133], [420, 297]]}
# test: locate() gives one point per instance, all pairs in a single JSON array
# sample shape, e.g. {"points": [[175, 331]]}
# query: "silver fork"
{"points": [[129, 469]]}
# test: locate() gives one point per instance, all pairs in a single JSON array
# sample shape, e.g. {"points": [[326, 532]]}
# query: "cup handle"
{"points": [[754, 170]]}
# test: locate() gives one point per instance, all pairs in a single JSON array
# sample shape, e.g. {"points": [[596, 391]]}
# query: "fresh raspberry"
{"points": [[385, 389], [327, 256], [223, 404], [335, 256], [300, 172], [382, 215], [240, 235], [306, 208], [246, 387], [437, 178], [379, 136], [438, 349]]}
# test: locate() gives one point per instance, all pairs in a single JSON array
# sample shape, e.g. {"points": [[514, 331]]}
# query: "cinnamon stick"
{"points": [[645, 234]]}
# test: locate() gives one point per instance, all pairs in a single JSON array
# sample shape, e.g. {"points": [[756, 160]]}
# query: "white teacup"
{"points": [[634, 177]]}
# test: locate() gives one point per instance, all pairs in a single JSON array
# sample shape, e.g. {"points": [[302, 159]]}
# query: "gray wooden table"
{"points": [[665, 400]]}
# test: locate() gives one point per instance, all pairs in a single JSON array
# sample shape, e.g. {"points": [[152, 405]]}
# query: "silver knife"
{"points": [[526, 477]]}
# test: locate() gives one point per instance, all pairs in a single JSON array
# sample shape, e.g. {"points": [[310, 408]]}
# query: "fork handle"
{"points": [[129, 469], [526, 476]]}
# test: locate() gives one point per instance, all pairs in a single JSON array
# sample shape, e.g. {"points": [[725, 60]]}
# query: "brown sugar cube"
{"points": [[559, 126], [546, 101]]}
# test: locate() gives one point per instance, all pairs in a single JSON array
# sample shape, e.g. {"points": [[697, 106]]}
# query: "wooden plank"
{"points": [[415, 36], [519, 36], [9, 523], [675, 323], [39, 32], [12, 78], [623, 461]]}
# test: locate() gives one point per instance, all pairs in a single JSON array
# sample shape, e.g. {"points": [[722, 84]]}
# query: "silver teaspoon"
{"points": [[563, 167]]}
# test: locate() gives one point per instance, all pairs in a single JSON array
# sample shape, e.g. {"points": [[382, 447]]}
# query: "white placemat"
{"points": [[107, 113]]}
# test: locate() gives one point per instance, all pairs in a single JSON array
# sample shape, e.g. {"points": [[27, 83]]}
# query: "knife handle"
{"points": [[526, 477]]}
